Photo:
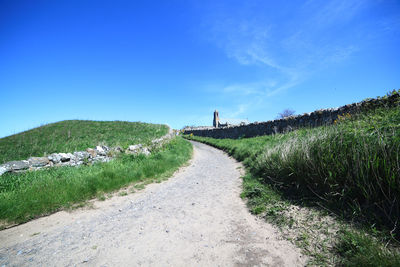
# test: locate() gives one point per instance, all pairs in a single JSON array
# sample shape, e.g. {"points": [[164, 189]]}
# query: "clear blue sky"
{"points": [[175, 62]]}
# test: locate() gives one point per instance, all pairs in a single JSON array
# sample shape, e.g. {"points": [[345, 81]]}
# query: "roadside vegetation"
{"points": [[75, 135], [24, 196], [347, 172]]}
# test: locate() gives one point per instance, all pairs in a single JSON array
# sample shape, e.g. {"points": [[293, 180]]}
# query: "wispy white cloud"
{"points": [[251, 47], [334, 11], [240, 110], [245, 89], [289, 48]]}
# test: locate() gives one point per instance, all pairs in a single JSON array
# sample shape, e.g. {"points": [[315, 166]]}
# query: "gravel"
{"points": [[196, 218]]}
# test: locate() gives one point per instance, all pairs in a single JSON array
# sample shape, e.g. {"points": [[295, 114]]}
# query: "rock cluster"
{"points": [[91, 155], [313, 119], [138, 149]]}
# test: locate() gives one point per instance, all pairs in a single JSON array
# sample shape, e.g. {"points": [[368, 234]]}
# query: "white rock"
{"points": [[3, 169], [55, 158], [38, 161], [145, 151], [18, 165], [81, 155], [65, 156], [101, 151], [135, 147]]}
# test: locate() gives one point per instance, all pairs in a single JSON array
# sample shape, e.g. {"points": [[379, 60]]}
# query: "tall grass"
{"points": [[24, 196], [361, 250], [351, 166], [75, 135]]}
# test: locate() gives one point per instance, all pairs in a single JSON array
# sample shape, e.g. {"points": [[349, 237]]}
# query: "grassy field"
{"points": [[75, 135], [351, 168], [24, 196]]}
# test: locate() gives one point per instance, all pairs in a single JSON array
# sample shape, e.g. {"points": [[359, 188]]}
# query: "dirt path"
{"points": [[196, 218]]}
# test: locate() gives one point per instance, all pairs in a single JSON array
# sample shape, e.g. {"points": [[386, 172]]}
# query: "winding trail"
{"points": [[196, 218]]}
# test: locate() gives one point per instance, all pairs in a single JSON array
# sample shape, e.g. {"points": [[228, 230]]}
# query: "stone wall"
{"points": [[313, 119], [91, 155]]}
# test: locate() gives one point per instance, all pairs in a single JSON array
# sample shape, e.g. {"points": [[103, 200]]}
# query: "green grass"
{"points": [[361, 250], [353, 165], [351, 168], [24, 196], [76, 135]]}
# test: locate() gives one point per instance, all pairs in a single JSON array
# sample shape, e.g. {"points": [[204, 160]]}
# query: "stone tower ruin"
{"points": [[216, 119]]}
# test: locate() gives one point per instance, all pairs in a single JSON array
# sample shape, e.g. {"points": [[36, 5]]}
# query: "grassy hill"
{"points": [[351, 168], [28, 195], [75, 135]]}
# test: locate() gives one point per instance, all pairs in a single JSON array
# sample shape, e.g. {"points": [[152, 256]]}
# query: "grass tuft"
{"points": [[363, 250]]}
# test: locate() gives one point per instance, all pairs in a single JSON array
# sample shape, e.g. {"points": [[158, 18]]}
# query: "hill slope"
{"points": [[74, 135]]}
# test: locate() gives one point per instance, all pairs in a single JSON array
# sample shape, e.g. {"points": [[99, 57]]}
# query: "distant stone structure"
{"points": [[232, 122], [218, 123], [216, 119], [313, 119]]}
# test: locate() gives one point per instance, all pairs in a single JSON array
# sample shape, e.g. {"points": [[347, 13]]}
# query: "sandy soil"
{"points": [[196, 218]]}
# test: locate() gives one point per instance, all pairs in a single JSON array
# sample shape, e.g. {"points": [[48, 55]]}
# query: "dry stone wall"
{"points": [[91, 155], [313, 119]]}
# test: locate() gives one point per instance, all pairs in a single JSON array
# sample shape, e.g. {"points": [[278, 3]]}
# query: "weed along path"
{"points": [[196, 218]]}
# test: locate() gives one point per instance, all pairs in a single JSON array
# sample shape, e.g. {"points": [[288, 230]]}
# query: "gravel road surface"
{"points": [[196, 218]]}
